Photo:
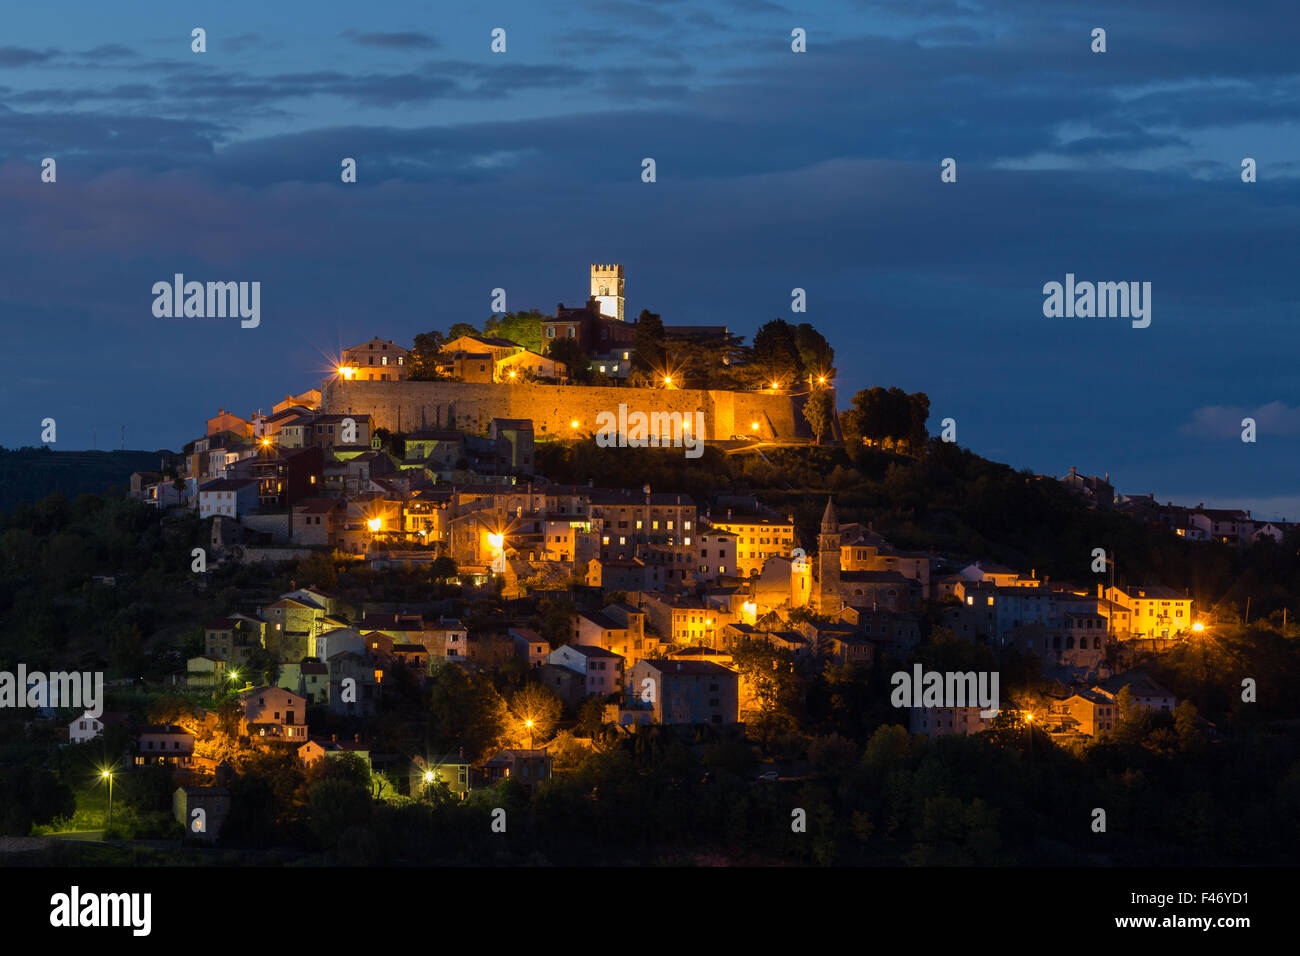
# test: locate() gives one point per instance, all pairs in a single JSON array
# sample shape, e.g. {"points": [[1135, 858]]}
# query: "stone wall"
{"points": [[471, 406]]}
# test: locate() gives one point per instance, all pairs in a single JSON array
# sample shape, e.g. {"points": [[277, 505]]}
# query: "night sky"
{"points": [[775, 170]]}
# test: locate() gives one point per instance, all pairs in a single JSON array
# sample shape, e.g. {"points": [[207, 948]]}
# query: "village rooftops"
{"points": [[228, 484], [319, 505], [601, 620], [688, 668], [1138, 683]]}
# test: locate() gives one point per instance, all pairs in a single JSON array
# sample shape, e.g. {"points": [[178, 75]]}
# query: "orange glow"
{"points": [[374, 524], [573, 424]]}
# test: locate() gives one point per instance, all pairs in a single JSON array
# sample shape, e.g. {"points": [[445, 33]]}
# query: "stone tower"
{"points": [[607, 289], [827, 597]]}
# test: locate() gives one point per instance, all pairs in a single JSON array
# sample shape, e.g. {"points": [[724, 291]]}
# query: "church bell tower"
{"points": [[828, 599]]}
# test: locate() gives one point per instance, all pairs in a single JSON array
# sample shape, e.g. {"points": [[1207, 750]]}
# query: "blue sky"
{"points": [[775, 170]]}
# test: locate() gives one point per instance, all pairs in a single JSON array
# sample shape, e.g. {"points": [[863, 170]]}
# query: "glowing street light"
{"points": [[753, 426], [1198, 627], [573, 424], [108, 775], [775, 386], [374, 524], [668, 379]]}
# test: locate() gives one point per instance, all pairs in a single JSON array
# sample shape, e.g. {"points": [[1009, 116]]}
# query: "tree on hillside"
{"points": [[774, 355], [815, 352], [817, 410], [881, 416], [459, 329], [651, 353], [524, 328], [424, 356], [536, 711]]}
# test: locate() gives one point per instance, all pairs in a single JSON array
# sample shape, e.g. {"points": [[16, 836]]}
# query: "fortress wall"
{"points": [[471, 406]]}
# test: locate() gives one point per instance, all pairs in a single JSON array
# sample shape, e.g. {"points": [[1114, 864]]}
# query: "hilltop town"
{"points": [[459, 611]]}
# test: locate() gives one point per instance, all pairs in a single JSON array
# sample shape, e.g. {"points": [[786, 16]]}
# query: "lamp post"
{"points": [[529, 725], [108, 775]]}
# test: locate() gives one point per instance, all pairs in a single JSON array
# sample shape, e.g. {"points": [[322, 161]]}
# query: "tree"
{"points": [[459, 329], [651, 355], [591, 715], [536, 711], [424, 356], [775, 353], [569, 352], [525, 328], [817, 410], [815, 352]]}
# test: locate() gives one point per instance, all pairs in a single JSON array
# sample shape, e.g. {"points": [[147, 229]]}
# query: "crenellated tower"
{"points": [[607, 289]]}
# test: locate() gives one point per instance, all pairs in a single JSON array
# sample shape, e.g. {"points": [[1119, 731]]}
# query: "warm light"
{"points": [[776, 384], [1198, 626], [528, 724], [512, 373], [266, 442], [428, 776], [347, 371], [668, 379], [821, 379], [573, 424], [754, 425], [374, 524], [497, 541], [1029, 718], [105, 774]]}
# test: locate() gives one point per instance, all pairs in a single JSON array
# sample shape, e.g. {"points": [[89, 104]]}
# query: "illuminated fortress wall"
{"points": [[471, 406]]}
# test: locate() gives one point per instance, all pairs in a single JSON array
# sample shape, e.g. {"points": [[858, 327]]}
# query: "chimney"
{"points": [[1073, 470]]}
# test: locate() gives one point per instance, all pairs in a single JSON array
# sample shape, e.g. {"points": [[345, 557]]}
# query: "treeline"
{"points": [[27, 474]]}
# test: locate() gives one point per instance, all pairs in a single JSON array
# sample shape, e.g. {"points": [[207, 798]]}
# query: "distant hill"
{"points": [[28, 474]]}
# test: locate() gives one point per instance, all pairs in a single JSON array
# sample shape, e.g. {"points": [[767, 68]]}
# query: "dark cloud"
{"points": [[408, 40], [109, 51], [21, 56]]}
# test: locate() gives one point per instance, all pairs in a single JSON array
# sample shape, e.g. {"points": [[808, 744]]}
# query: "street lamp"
{"points": [[529, 725], [108, 775]]}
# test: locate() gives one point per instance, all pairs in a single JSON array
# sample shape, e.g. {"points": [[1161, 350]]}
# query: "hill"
{"points": [[29, 474]]}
